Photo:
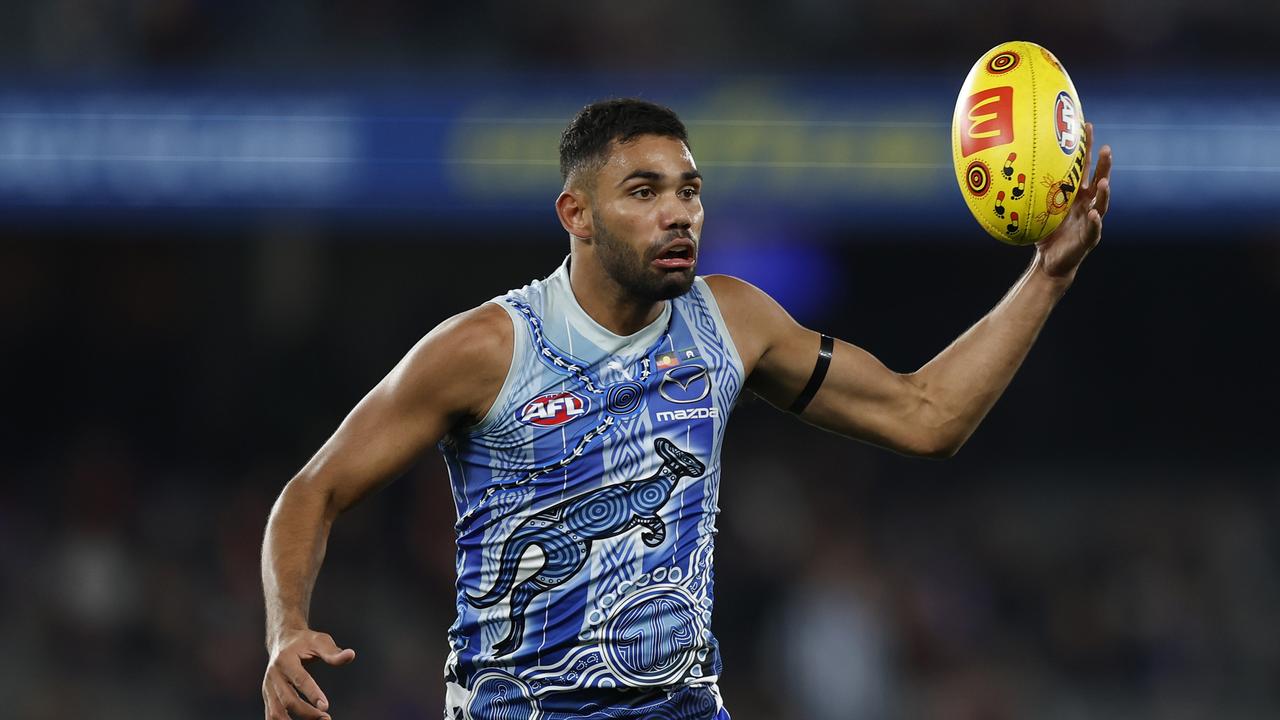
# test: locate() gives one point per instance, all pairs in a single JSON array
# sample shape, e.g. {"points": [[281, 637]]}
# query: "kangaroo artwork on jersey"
{"points": [[586, 501]]}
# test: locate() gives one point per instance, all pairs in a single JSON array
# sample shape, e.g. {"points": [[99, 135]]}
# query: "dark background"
{"points": [[1104, 546]]}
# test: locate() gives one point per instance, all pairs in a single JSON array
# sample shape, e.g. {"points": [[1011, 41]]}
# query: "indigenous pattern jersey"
{"points": [[586, 502]]}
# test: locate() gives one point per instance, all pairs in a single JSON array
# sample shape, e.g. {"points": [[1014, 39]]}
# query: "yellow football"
{"points": [[1017, 142]]}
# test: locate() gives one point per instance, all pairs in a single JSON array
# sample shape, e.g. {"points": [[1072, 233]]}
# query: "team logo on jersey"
{"points": [[685, 384], [1064, 123], [554, 409], [671, 359]]}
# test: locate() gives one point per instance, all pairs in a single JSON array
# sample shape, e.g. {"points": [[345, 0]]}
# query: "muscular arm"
{"points": [[934, 410], [930, 412], [449, 379]]}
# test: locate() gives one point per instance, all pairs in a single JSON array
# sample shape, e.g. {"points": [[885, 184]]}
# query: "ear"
{"points": [[573, 207]]}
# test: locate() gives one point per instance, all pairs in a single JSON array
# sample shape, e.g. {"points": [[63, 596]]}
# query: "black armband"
{"points": [[819, 374]]}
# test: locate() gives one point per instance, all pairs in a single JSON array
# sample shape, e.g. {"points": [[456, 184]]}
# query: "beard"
{"points": [[632, 269]]}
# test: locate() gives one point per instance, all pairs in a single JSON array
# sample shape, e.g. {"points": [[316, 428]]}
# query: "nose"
{"points": [[676, 215]]}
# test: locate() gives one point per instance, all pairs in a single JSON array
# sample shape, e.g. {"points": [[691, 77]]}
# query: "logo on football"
{"points": [[554, 409], [1064, 122], [1019, 113]]}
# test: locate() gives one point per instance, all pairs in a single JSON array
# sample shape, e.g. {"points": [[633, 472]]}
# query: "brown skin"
{"points": [[932, 411], [453, 375], [647, 191], [449, 379]]}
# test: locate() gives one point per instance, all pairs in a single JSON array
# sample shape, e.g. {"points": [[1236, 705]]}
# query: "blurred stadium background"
{"points": [[222, 222]]}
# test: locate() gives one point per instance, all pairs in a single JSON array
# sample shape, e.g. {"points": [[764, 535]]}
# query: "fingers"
{"points": [[1102, 200], [283, 701], [1101, 183], [306, 686], [1103, 170], [1085, 184], [1093, 235], [288, 690]]}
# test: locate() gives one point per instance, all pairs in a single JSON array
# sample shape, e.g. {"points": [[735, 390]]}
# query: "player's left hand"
{"points": [[1062, 252], [289, 691]]}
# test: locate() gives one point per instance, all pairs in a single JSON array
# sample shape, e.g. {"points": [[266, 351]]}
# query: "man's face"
{"points": [[647, 217]]}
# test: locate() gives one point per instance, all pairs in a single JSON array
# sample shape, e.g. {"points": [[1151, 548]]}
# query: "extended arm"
{"points": [[932, 411], [448, 379]]}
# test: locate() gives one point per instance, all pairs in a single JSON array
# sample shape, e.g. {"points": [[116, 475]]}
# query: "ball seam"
{"points": [[1035, 135]]}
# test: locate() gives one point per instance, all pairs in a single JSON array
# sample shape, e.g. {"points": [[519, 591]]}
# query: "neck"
{"points": [[606, 302]]}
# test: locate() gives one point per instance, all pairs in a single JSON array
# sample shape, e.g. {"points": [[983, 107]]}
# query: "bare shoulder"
{"points": [[461, 363], [476, 333], [733, 290], [756, 321], [740, 300]]}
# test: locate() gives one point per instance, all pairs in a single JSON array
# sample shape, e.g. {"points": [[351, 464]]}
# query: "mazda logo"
{"points": [[685, 384]]}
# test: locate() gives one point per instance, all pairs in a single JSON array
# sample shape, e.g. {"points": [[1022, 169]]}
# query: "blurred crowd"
{"points": [[101, 36], [162, 389]]}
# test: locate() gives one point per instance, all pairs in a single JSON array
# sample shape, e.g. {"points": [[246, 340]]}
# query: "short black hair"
{"points": [[587, 138]]}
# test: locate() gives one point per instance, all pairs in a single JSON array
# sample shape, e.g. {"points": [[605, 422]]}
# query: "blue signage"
{"points": [[837, 151]]}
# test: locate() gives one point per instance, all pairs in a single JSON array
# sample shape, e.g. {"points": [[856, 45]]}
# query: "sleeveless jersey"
{"points": [[586, 502]]}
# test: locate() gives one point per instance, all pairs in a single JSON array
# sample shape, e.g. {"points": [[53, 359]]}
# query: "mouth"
{"points": [[680, 254]]}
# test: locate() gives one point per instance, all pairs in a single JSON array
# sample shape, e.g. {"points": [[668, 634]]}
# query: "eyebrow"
{"points": [[655, 176]]}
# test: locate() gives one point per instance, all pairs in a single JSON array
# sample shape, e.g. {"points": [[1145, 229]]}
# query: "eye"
{"points": [[643, 193], [689, 193]]}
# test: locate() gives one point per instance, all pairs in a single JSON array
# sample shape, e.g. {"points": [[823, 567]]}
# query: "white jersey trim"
{"points": [[518, 340], [561, 291], [714, 306]]}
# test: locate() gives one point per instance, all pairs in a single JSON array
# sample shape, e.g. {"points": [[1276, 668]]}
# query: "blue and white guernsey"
{"points": [[587, 501]]}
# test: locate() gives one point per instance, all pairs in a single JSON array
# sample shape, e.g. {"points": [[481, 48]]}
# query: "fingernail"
{"points": [[322, 704]]}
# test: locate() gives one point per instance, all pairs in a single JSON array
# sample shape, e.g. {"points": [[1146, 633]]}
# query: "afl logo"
{"points": [[554, 409], [978, 178], [1064, 123], [1003, 63]]}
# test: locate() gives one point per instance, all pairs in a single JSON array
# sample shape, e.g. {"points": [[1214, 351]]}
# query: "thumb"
{"points": [[329, 651]]}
